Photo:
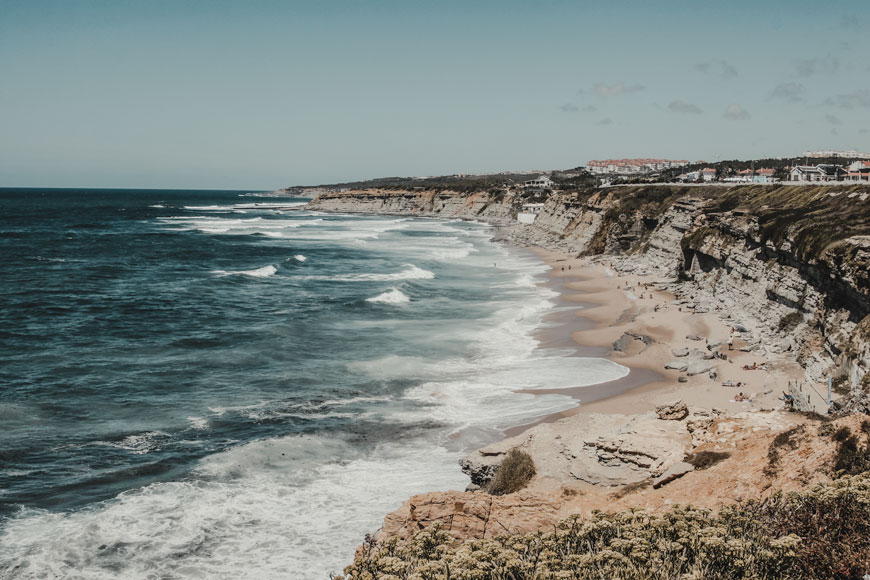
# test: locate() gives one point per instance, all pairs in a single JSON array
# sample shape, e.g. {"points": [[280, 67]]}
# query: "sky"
{"points": [[261, 94]]}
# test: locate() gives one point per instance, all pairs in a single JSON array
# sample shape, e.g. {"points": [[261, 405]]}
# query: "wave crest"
{"points": [[392, 296], [263, 272]]}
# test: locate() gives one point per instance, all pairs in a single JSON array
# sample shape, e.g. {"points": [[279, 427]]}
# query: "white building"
{"points": [[632, 166], [542, 183], [858, 171], [850, 154], [529, 213], [806, 173], [821, 172]]}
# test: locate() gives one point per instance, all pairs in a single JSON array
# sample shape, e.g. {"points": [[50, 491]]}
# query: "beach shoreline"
{"points": [[600, 306]]}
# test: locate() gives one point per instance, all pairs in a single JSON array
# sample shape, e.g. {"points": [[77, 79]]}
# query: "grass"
{"points": [[704, 459], [785, 440], [514, 473]]}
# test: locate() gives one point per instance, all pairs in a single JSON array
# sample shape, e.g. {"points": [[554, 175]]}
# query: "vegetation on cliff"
{"points": [[513, 474], [814, 219], [820, 532]]}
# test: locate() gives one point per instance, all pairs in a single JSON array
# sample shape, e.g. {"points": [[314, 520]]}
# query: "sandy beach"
{"points": [[620, 307]]}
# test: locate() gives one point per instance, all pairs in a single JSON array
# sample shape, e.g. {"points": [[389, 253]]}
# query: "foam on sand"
{"points": [[392, 296]]}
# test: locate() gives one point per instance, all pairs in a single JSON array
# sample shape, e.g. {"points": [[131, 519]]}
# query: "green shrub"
{"points": [[515, 471], [821, 532]]}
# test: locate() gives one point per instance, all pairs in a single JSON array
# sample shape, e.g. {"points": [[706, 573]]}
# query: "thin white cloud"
{"points": [[728, 71], [812, 66], [603, 90], [683, 107], [735, 112], [722, 67], [856, 100], [790, 92]]}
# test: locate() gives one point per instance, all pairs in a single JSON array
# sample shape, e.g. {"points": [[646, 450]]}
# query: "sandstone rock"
{"points": [[480, 467], [677, 365], [698, 367], [680, 351], [673, 411], [675, 472], [693, 337], [600, 449], [682, 380]]}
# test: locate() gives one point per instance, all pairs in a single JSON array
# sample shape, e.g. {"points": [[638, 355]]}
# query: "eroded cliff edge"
{"points": [[792, 261]]}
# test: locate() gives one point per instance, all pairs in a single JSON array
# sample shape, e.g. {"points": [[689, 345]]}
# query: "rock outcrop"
{"points": [[597, 449], [730, 460]]}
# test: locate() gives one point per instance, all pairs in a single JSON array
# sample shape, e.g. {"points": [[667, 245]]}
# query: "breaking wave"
{"points": [[393, 296], [263, 272]]}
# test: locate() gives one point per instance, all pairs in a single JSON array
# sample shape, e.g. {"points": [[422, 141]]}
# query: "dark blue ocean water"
{"points": [[216, 384]]}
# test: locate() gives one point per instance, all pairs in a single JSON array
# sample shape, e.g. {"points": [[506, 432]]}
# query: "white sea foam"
{"points": [[269, 509], [299, 258], [392, 296], [257, 206], [140, 443], [198, 423], [263, 272], [410, 272], [297, 507]]}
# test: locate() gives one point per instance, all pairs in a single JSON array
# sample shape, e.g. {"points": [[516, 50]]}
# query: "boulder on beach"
{"points": [[698, 367], [673, 411], [680, 351], [677, 365]]}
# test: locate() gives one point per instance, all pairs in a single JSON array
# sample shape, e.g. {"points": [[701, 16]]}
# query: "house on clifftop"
{"points": [[821, 172], [542, 183]]}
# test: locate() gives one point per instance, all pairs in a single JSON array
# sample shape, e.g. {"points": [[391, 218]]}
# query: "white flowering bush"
{"points": [[816, 533]]}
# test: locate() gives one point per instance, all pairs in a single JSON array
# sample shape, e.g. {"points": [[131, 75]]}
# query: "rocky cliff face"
{"points": [[791, 264], [497, 208]]}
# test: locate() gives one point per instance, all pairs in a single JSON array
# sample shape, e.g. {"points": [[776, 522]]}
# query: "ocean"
{"points": [[218, 384]]}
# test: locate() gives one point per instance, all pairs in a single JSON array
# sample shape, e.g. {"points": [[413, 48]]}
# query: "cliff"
{"points": [[785, 267], [792, 261]]}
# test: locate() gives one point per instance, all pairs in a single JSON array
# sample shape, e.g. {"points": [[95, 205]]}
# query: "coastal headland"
{"points": [[733, 307]]}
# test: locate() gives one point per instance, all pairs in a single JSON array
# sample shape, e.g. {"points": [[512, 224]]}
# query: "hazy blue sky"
{"points": [[260, 94]]}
